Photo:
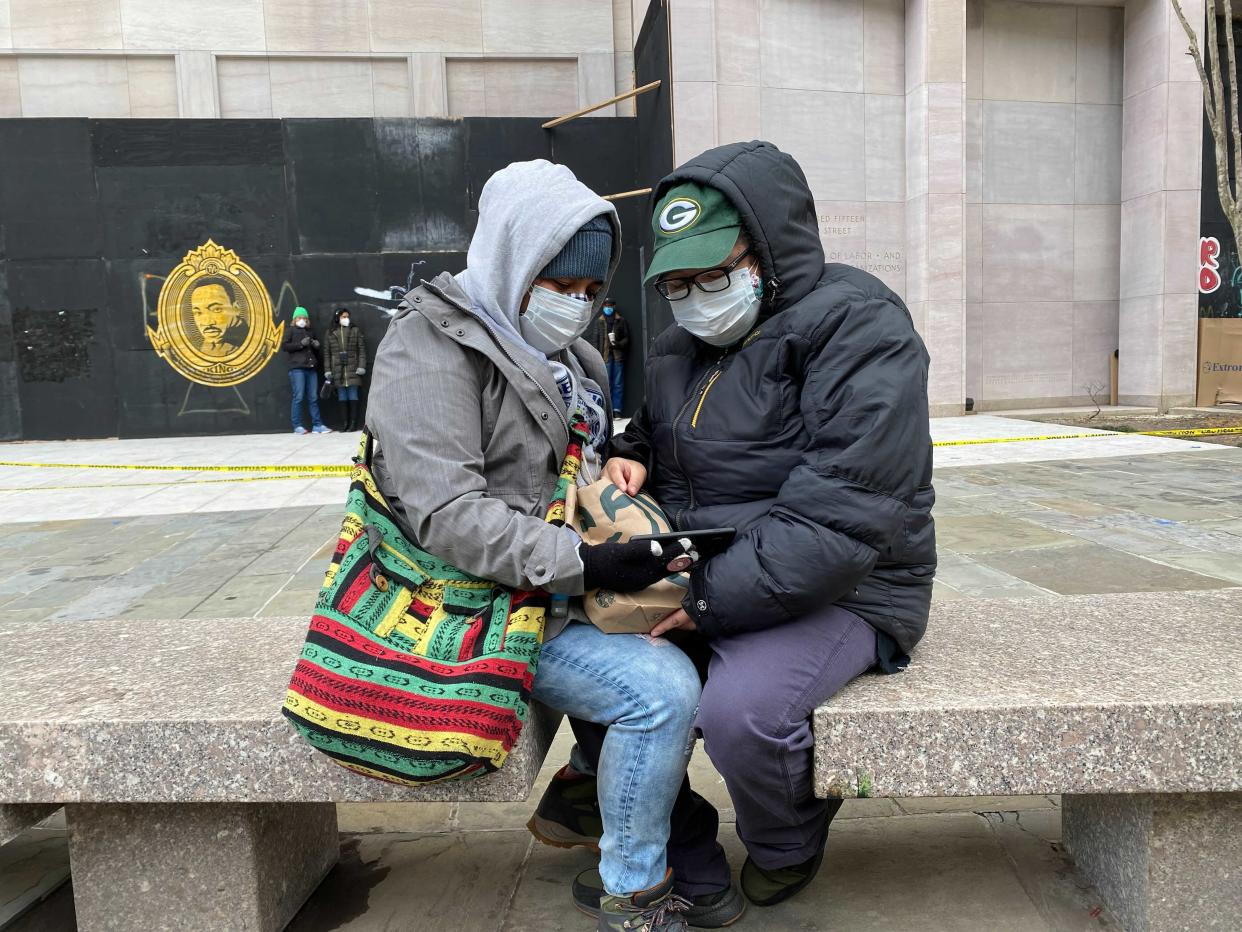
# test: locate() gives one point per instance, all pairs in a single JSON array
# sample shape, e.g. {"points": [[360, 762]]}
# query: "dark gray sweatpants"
{"points": [[758, 695]]}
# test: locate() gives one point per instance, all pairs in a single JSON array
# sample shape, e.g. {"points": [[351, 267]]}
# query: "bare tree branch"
{"points": [[1220, 137], [1233, 93], [1224, 122], [1220, 133], [1208, 103]]}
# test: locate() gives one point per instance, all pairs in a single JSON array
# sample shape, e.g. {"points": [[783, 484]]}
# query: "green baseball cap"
{"points": [[696, 227]]}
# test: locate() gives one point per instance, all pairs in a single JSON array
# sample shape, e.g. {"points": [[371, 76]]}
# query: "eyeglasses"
{"points": [[674, 289]]}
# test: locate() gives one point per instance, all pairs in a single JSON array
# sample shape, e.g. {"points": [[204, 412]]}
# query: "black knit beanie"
{"points": [[586, 255]]}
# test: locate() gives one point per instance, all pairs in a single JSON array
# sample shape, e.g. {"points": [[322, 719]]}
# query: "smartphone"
{"points": [[704, 544]]}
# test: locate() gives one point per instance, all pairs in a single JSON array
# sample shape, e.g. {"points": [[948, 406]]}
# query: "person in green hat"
{"points": [[788, 401], [302, 353]]}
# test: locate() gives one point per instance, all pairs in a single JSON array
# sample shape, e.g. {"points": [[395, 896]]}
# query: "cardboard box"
{"points": [[1220, 361]]}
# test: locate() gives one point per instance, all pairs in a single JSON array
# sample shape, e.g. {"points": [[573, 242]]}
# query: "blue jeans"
{"points": [[616, 382], [349, 393], [647, 693], [305, 386]]}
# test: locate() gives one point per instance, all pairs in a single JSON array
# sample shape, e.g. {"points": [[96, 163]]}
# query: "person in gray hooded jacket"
{"points": [[473, 389]]}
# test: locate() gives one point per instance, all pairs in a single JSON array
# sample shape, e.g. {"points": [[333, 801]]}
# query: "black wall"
{"points": [[655, 154], [315, 207]]}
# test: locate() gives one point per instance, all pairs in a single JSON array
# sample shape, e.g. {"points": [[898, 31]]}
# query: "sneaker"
{"points": [[299, 429], [705, 911], [765, 887], [657, 909], [323, 429], [568, 814]]}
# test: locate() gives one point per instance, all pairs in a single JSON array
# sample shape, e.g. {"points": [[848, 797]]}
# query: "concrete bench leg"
{"points": [[1160, 862], [202, 866]]}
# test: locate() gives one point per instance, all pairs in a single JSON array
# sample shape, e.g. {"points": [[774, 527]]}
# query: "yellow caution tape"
{"points": [[1188, 432], [345, 470], [1192, 432], [314, 470], [979, 440]]}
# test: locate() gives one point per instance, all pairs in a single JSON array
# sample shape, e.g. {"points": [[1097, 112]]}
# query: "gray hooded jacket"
{"points": [[469, 424]]}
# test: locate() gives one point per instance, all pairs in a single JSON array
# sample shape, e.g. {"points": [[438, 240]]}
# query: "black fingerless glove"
{"points": [[626, 567]]}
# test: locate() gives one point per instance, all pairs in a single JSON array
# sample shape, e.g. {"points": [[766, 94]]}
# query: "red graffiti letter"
{"points": [[1209, 275]]}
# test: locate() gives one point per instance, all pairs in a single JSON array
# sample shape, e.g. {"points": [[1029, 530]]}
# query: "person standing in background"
{"points": [[346, 364], [612, 339], [303, 348]]}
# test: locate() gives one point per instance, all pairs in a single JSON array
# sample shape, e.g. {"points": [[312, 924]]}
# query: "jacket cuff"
{"points": [[555, 564], [699, 607]]}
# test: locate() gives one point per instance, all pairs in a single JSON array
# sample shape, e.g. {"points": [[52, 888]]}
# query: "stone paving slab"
{"points": [[1090, 568], [958, 871], [991, 532]]}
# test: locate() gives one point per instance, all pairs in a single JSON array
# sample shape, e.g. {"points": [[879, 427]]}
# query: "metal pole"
{"points": [[624, 194], [607, 103]]}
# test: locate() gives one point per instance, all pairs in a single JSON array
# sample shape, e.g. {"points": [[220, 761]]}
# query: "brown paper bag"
{"points": [[602, 513]]}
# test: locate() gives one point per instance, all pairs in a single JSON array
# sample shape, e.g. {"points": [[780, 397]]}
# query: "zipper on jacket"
{"points": [[694, 421], [559, 408], [710, 374]]}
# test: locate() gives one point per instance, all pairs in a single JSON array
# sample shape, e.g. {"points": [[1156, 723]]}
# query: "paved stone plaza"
{"points": [[1022, 519]]}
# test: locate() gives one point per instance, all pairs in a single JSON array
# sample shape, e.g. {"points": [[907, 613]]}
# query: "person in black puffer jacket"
{"points": [[301, 347], [790, 402]]}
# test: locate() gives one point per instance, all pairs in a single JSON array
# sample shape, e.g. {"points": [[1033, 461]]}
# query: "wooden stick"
{"points": [[624, 194], [607, 103]]}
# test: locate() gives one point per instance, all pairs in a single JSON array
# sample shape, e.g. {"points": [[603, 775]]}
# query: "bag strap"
{"points": [[366, 449], [579, 436]]}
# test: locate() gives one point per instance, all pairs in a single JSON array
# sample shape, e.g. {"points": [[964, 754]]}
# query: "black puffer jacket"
{"points": [[811, 438], [301, 356]]}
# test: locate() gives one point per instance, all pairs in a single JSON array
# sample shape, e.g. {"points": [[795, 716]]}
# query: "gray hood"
{"points": [[527, 213]]}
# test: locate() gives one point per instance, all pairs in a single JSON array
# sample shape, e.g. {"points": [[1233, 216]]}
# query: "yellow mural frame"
{"points": [[172, 340]]}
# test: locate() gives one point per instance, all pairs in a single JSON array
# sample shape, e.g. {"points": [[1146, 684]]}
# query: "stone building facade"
{"points": [[1026, 174]]}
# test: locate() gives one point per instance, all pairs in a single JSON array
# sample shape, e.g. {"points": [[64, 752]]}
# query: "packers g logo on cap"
{"points": [[679, 214]]}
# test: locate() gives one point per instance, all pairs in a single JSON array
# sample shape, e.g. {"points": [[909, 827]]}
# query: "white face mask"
{"points": [[300, 322], [552, 320], [721, 318], [344, 321]]}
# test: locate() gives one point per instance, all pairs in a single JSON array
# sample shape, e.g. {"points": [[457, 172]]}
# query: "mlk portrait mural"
{"points": [[214, 322]]}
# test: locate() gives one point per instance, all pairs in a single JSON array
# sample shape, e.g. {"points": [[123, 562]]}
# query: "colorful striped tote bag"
{"points": [[413, 671]]}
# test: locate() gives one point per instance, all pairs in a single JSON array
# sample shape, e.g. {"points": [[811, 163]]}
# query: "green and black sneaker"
{"points": [[568, 814], [706, 911], [658, 909]]}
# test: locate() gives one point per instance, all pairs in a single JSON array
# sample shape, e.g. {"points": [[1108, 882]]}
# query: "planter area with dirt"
{"points": [[1139, 423]]}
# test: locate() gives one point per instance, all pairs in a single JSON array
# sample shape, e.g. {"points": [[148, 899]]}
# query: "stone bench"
{"points": [[1129, 706], [190, 801]]}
